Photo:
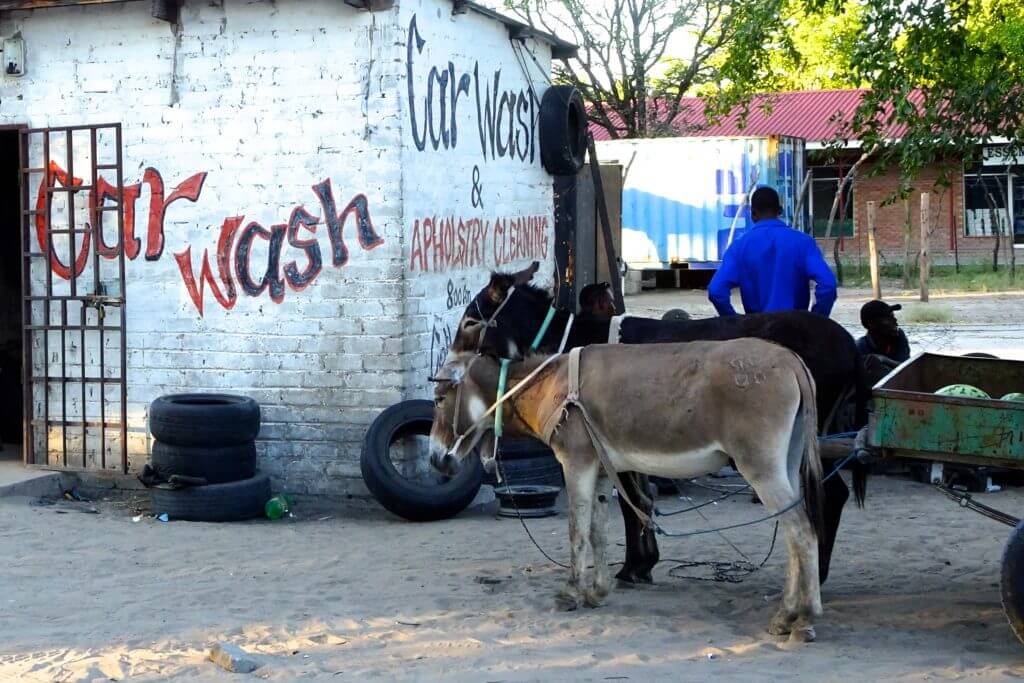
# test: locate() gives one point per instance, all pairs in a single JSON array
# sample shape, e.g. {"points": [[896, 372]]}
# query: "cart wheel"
{"points": [[1011, 581]]}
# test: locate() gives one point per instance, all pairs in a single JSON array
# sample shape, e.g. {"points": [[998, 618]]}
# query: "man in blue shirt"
{"points": [[772, 265]]}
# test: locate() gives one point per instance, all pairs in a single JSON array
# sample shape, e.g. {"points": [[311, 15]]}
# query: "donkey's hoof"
{"points": [[629, 575], [594, 598], [567, 601], [802, 634], [781, 624]]}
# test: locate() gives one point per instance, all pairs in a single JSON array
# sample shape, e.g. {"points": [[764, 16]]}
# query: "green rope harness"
{"points": [[503, 375]]}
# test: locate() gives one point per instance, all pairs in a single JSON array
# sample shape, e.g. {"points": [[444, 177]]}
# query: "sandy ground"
{"points": [[364, 596], [355, 594]]}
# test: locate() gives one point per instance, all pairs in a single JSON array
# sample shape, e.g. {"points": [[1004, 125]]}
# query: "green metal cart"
{"points": [[910, 420]]}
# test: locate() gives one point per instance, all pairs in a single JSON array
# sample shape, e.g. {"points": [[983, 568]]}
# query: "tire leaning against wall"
{"points": [[412, 500], [204, 419], [563, 130]]}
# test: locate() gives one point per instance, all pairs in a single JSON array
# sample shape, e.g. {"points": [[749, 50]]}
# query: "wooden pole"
{"points": [[606, 227], [798, 217], [925, 231], [876, 285]]}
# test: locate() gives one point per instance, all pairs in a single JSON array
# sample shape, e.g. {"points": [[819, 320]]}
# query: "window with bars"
{"points": [[994, 197]]}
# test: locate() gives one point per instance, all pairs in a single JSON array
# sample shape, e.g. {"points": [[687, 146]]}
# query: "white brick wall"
{"points": [[269, 99], [456, 177]]}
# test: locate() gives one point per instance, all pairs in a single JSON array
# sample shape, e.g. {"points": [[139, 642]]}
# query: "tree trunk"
{"points": [[1010, 237], [925, 233], [798, 218], [835, 208], [908, 243], [876, 285], [997, 229]]}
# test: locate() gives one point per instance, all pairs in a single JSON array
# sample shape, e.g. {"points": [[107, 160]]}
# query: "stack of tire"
{"points": [[526, 462], [209, 438], [523, 461]]}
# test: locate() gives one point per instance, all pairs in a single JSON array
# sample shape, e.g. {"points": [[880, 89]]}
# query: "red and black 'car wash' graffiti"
{"points": [[234, 244]]}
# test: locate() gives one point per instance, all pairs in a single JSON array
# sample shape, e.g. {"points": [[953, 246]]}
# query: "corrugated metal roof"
{"points": [[814, 115]]}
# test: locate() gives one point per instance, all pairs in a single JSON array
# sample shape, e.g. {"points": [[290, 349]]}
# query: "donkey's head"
{"points": [[503, 318], [459, 401]]}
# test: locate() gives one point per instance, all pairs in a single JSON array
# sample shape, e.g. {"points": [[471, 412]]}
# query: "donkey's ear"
{"points": [[498, 287], [526, 274]]}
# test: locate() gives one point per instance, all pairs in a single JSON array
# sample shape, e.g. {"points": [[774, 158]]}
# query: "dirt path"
{"points": [[364, 596]]}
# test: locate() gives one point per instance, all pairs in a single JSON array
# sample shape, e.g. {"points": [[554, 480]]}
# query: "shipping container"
{"points": [[682, 196]]}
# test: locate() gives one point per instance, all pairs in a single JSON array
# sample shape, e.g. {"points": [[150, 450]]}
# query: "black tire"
{"points": [[231, 502], [563, 130], [217, 465], [542, 470], [207, 420], [1011, 581], [517, 449], [407, 498]]}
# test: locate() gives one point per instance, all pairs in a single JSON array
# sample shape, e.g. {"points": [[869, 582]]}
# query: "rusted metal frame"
{"points": [[96, 218], [92, 380], [28, 456], [81, 351], [49, 299], [71, 328], [92, 299], [123, 312], [64, 129], [91, 423], [49, 293], [64, 378], [69, 157], [47, 4]]}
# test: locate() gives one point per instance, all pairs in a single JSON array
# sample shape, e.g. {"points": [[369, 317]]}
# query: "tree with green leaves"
{"points": [[945, 76], [623, 44]]}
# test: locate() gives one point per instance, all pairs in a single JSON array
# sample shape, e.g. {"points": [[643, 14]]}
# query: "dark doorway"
{"points": [[11, 333]]}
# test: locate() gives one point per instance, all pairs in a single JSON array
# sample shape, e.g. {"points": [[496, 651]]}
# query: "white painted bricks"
{"points": [[267, 125]]}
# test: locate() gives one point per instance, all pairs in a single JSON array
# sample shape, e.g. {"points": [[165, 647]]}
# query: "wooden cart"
{"points": [[910, 421]]}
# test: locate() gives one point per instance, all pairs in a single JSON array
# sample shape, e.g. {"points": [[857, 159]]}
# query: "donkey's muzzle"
{"points": [[444, 462]]}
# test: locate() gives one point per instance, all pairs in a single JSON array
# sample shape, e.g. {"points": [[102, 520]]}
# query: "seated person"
{"points": [[885, 345], [596, 301]]}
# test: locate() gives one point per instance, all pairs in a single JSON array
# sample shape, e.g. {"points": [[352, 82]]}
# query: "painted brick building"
{"points": [[310, 193], [961, 225]]}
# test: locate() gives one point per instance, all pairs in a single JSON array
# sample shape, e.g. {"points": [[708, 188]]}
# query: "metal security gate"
{"points": [[73, 289]]}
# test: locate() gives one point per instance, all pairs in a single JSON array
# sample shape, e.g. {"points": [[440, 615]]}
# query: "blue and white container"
{"points": [[682, 196]]}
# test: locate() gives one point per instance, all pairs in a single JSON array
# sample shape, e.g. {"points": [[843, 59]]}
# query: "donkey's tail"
{"points": [[862, 395], [810, 464]]}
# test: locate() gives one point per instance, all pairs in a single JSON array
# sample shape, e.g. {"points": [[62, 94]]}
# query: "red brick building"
{"points": [[961, 220]]}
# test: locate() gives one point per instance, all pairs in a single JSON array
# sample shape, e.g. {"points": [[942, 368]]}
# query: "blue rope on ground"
{"points": [[684, 534]]}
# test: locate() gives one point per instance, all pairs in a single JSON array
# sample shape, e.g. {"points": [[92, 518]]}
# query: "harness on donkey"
{"points": [[573, 399]]}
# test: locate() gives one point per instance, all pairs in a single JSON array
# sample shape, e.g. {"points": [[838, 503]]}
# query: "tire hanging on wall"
{"points": [[563, 130], [204, 420], [413, 500]]}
